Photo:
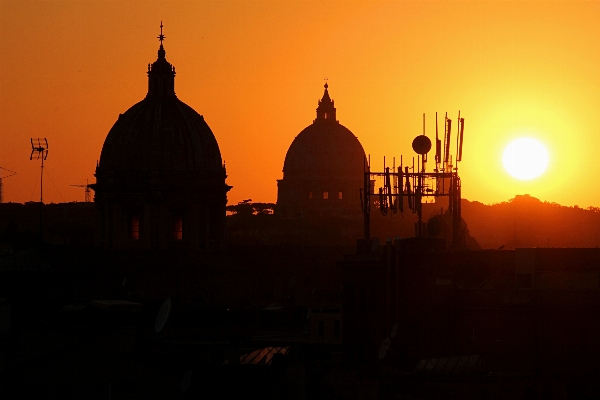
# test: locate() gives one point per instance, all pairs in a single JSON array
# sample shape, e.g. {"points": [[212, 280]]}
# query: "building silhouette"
{"points": [[160, 182], [323, 169]]}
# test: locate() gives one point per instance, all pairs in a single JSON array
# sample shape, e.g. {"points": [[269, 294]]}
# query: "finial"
{"points": [[326, 85], [161, 37]]}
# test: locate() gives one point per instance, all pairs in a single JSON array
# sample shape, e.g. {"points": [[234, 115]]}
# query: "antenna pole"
{"points": [[42, 183], [40, 148]]}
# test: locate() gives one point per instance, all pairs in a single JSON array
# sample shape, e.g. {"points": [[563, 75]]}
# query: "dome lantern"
{"points": [[326, 109], [161, 74]]}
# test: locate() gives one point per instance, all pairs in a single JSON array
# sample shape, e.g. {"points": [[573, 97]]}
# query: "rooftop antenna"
{"points": [[9, 173], [438, 146], [447, 136], [88, 191], [39, 147], [459, 139], [424, 158]]}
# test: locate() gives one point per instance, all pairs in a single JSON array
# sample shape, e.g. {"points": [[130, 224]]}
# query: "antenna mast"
{"points": [[40, 148]]}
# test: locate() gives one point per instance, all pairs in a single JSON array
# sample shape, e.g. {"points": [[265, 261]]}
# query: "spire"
{"points": [[161, 74], [326, 109]]}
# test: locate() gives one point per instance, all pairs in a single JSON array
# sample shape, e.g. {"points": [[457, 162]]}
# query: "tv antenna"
{"points": [[39, 147], [8, 173], [88, 191]]}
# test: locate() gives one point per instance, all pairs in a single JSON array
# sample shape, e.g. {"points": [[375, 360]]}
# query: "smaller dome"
{"points": [[325, 148]]}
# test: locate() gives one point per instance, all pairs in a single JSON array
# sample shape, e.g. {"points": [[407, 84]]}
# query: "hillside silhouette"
{"points": [[525, 221]]}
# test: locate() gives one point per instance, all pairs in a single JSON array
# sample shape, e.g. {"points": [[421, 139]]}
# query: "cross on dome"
{"points": [[161, 37]]}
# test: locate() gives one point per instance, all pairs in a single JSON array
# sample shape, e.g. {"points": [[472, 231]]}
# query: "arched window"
{"points": [[325, 115], [339, 195], [325, 195], [178, 228], [310, 195], [134, 227]]}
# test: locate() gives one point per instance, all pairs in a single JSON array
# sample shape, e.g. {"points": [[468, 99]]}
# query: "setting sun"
{"points": [[525, 158]]}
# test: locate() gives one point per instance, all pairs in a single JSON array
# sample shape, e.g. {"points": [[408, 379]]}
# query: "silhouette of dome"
{"points": [[161, 133], [160, 181], [324, 162]]}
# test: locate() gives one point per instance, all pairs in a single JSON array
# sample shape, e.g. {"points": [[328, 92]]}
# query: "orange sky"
{"points": [[255, 70]]}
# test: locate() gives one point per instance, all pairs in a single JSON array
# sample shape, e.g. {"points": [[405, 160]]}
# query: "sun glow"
{"points": [[525, 158]]}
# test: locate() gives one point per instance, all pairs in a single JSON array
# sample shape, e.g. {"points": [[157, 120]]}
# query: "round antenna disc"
{"points": [[163, 315], [421, 144], [385, 345]]}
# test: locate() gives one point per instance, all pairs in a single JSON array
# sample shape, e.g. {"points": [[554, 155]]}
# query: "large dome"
{"points": [[160, 182], [160, 133]]}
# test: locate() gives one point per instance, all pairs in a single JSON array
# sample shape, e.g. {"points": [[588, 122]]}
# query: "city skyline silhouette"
{"points": [[255, 71]]}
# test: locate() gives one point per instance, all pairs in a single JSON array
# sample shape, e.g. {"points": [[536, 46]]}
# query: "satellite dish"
{"points": [[421, 144], [374, 244], [186, 381], [163, 315], [394, 330], [385, 345]]}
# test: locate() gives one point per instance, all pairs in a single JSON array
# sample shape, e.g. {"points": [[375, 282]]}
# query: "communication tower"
{"points": [[414, 183]]}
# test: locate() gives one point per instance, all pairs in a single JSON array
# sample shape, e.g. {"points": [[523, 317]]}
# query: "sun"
{"points": [[525, 158]]}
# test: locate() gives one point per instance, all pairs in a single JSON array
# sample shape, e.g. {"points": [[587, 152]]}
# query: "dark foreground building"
{"points": [[474, 324]]}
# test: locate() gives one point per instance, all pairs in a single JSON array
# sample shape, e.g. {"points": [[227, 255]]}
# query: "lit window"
{"points": [[321, 332], [310, 195], [178, 228], [325, 115], [325, 195], [134, 227], [339, 195]]}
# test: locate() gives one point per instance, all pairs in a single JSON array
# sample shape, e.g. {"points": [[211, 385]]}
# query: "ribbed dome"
{"points": [[160, 133], [325, 147]]}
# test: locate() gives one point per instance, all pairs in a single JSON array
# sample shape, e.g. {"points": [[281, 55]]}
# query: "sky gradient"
{"points": [[255, 70]]}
